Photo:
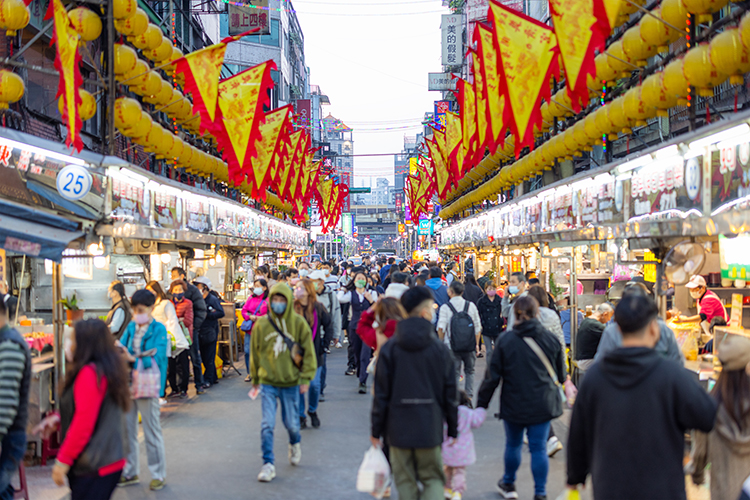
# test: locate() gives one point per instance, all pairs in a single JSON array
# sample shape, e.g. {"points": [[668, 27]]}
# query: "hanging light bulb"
{"points": [[166, 257], [100, 262], [218, 257], [212, 262]]}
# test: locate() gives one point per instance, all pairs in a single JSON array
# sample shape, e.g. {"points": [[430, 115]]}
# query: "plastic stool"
{"points": [[23, 490], [49, 450]]}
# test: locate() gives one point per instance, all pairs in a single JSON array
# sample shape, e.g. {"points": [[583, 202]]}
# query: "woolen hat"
{"points": [[734, 352]]}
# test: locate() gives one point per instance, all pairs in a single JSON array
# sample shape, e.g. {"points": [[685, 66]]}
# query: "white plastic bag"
{"points": [[374, 476]]}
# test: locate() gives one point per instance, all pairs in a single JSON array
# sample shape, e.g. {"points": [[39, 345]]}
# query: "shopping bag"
{"points": [[146, 383], [374, 475], [569, 494], [570, 393]]}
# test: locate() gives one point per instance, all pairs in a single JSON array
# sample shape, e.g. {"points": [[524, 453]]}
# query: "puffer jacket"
{"points": [[184, 309]]}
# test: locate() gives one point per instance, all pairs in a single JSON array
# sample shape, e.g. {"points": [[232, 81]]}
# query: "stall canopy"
{"points": [[35, 233]]}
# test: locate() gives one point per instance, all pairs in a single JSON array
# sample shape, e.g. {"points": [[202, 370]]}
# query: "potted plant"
{"points": [[238, 282], [72, 310]]}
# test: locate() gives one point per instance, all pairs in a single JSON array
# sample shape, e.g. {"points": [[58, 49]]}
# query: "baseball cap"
{"points": [[696, 281], [317, 275], [204, 281]]}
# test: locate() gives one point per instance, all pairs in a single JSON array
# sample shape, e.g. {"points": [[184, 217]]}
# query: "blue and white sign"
{"points": [[73, 182], [425, 227]]}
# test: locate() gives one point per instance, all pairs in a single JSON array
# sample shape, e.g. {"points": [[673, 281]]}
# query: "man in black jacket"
{"points": [[209, 331], [632, 412], [415, 391], [199, 316]]}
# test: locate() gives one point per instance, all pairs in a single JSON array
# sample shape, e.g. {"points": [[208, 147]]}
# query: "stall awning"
{"points": [[35, 233]]}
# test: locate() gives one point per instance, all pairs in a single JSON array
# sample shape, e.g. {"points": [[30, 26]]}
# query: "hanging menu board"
{"points": [[661, 189], [130, 201], [167, 210], [198, 217], [730, 179]]}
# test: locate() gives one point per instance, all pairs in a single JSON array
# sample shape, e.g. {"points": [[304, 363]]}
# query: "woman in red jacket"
{"points": [[378, 323], [178, 372], [93, 404]]}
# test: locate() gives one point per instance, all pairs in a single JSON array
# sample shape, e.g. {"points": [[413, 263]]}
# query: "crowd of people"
{"points": [[413, 334]]}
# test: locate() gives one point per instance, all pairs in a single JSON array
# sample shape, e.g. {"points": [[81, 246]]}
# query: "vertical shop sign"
{"points": [[452, 40], [441, 109]]}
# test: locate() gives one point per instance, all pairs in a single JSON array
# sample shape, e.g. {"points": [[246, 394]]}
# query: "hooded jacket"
{"points": [[727, 449], [270, 360], [199, 305], [529, 395], [439, 291], [396, 290], [331, 302], [629, 422], [415, 388]]}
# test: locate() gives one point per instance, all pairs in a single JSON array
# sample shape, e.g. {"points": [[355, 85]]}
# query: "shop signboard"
{"points": [[402, 228], [425, 227], [664, 187], [451, 36], [346, 220], [304, 113], [253, 14], [730, 180], [167, 210], [441, 81], [734, 258], [130, 201], [198, 214], [223, 220], [476, 10], [3, 272], [560, 208], [735, 318], [441, 109]]}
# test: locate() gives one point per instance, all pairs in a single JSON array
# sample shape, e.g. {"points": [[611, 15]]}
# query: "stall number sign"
{"points": [[73, 182]]}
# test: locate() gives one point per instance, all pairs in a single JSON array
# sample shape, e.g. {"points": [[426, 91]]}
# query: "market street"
{"points": [[213, 450]]}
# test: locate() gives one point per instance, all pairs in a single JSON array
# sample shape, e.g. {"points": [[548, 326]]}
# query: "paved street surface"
{"points": [[213, 450]]}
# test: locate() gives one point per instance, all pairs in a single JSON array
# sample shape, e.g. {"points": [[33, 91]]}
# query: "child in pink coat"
{"points": [[459, 452]]}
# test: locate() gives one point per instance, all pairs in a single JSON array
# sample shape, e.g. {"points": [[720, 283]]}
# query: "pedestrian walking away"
{"points": [[282, 365], [329, 299], [93, 403], [530, 398], [631, 414], [415, 392]]}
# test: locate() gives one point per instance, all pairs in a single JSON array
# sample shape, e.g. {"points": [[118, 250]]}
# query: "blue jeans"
{"points": [[13, 449], [538, 448], [247, 352], [313, 395], [289, 398], [323, 374]]}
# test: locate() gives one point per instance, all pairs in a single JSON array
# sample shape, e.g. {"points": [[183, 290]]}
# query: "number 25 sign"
{"points": [[73, 182]]}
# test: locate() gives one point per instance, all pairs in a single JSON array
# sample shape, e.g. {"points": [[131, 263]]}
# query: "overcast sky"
{"points": [[371, 57]]}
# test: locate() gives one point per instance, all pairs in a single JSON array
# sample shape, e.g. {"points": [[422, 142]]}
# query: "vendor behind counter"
{"points": [[711, 310]]}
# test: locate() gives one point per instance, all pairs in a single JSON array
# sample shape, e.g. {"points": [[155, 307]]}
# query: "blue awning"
{"points": [[35, 233]]}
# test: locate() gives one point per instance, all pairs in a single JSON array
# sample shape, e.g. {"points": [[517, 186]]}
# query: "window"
{"points": [[272, 39], [339, 148]]}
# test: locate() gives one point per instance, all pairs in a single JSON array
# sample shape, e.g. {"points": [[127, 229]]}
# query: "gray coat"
{"points": [[667, 345], [331, 303]]}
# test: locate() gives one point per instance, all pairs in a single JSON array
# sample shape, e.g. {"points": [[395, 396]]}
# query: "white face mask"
{"points": [[258, 291], [303, 273], [327, 272]]}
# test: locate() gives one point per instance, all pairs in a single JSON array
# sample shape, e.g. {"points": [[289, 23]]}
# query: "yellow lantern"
{"points": [[11, 88], [124, 9], [654, 95], [700, 71], [675, 13], [134, 26], [141, 128], [125, 59], [88, 105], [186, 155], [547, 118], [636, 108], [162, 97], [579, 134], [730, 56], [571, 145], [14, 16], [627, 8], [618, 61], [86, 23], [557, 146], [186, 110], [127, 112], [150, 39], [635, 47], [152, 85], [593, 136], [704, 8], [745, 30], [165, 145], [139, 75], [161, 53], [154, 137], [603, 124], [617, 115], [603, 70], [656, 33], [676, 85]]}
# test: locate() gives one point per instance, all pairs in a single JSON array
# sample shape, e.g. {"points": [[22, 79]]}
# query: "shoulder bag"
{"points": [[247, 325], [545, 361], [296, 351]]}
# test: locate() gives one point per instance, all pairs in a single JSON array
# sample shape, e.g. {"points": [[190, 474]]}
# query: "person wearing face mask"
{"points": [[414, 377], [292, 277], [209, 332], [275, 375], [361, 298], [516, 288], [255, 307], [93, 403], [709, 304], [146, 339], [321, 324], [491, 315], [304, 269], [199, 315], [330, 301], [331, 281], [179, 368], [119, 315]]}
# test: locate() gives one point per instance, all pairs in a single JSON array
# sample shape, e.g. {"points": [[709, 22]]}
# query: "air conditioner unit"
{"points": [[140, 247]]}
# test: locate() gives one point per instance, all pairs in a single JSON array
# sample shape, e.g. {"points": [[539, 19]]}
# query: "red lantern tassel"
{"points": [[708, 113]]}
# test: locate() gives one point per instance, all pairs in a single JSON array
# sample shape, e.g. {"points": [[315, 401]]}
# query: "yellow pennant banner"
{"points": [[454, 151], [481, 107], [272, 132], [496, 114], [467, 98]]}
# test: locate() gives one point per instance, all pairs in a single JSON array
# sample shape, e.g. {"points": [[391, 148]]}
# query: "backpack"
{"points": [[463, 335]]}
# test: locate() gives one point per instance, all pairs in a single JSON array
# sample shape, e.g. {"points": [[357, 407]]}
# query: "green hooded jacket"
{"points": [[270, 359]]}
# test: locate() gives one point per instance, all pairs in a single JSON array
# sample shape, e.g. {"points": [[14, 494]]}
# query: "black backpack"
{"points": [[463, 335]]}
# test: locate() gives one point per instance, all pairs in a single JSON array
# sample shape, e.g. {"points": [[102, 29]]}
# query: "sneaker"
{"points": [[363, 388], [338, 345], [480, 355], [295, 453], [302, 423], [350, 371], [127, 481], [200, 390], [267, 473], [447, 493], [156, 484], [507, 491], [174, 394], [345, 341], [162, 401], [322, 399], [553, 446], [207, 385], [182, 395], [249, 378], [327, 350], [314, 420], [456, 496]]}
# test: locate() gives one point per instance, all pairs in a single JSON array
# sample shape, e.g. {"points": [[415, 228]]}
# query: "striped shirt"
{"points": [[12, 367]]}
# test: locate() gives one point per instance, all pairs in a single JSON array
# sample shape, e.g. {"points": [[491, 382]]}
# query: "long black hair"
{"points": [[732, 391], [350, 287], [264, 284], [469, 278], [119, 287], [96, 345]]}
